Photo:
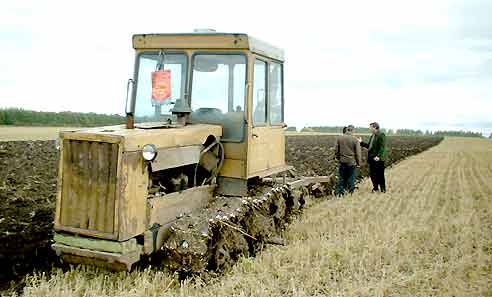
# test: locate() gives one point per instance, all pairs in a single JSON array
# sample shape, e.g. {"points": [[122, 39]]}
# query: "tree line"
{"points": [[22, 117], [395, 132]]}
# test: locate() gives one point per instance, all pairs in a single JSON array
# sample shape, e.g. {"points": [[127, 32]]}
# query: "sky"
{"points": [[405, 64]]}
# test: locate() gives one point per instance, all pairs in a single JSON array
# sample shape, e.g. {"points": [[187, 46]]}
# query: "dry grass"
{"points": [[430, 235], [8, 133]]}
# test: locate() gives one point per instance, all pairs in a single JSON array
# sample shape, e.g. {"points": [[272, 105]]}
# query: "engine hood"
{"points": [[135, 139]]}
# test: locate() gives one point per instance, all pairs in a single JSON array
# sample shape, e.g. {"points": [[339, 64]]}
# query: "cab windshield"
{"points": [[161, 80], [217, 88], [218, 92]]}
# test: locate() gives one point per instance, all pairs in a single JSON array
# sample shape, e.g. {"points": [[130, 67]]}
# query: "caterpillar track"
{"points": [[231, 227]]}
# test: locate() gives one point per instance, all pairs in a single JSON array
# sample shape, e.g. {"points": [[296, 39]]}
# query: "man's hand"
{"points": [[376, 158], [359, 139]]}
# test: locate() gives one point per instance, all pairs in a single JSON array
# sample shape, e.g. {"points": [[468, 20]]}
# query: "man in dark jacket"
{"points": [[348, 152], [376, 150]]}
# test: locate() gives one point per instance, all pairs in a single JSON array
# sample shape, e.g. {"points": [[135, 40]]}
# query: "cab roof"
{"points": [[207, 40]]}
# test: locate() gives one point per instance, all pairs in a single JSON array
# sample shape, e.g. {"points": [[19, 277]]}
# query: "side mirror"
{"points": [[129, 90], [129, 104]]}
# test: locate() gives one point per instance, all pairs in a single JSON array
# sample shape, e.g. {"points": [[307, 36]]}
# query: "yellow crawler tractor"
{"points": [[198, 172]]}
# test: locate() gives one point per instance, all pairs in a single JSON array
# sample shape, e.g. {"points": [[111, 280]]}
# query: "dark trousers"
{"points": [[376, 171], [346, 179]]}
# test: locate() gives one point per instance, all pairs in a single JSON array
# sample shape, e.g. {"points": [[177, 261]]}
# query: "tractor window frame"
{"points": [[136, 70], [282, 101], [267, 121], [245, 99]]}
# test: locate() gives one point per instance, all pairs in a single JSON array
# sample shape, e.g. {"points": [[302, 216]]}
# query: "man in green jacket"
{"points": [[376, 150]]}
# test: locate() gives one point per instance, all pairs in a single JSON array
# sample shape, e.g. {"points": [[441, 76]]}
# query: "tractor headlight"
{"points": [[149, 152]]}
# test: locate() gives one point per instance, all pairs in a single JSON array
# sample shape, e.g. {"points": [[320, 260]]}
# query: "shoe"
{"points": [[339, 196]]}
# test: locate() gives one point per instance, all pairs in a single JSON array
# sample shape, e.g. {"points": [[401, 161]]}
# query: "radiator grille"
{"points": [[89, 185]]}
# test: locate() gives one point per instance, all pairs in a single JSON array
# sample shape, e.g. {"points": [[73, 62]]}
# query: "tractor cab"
{"points": [[231, 80]]}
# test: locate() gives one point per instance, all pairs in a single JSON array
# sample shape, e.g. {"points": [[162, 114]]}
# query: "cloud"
{"points": [[403, 63]]}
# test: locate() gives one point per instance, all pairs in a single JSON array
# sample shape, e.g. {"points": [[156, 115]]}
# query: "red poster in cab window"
{"points": [[161, 85]]}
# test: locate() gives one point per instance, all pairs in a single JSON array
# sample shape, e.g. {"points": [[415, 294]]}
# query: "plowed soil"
{"points": [[27, 200], [28, 174], [314, 155]]}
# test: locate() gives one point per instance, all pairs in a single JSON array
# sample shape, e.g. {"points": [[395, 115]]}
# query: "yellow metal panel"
{"points": [[176, 156], [233, 168], [257, 150], [135, 139], [189, 41], [166, 138], [276, 147], [266, 149], [223, 41], [235, 151], [235, 160], [167, 208], [133, 183]]}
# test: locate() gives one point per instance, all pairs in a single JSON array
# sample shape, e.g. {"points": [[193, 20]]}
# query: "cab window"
{"points": [[275, 93], [259, 93], [146, 108], [218, 92]]}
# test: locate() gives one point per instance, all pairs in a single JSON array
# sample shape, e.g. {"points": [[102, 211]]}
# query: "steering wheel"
{"points": [[208, 110]]}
